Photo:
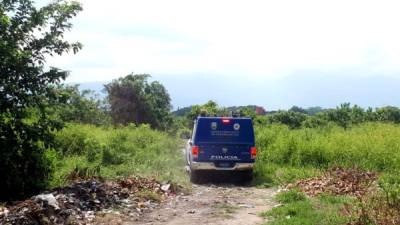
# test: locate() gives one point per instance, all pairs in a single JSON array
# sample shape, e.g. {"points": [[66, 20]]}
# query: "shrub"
{"points": [[289, 118], [372, 146], [76, 140], [118, 151], [390, 185]]}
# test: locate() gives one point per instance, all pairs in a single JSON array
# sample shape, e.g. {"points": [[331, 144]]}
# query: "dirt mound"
{"points": [[79, 202], [337, 181]]}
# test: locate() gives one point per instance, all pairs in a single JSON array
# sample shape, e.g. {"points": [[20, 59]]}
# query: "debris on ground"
{"points": [[80, 202], [337, 181]]}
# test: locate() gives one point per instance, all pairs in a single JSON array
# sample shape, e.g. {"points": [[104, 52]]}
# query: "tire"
{"points": [[195, 177]]}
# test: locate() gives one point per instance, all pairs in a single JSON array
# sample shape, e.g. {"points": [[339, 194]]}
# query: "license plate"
{"points": [[224, 164]]}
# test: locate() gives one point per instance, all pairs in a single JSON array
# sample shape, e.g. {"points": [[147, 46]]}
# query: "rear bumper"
{"points": [[211, 166]]}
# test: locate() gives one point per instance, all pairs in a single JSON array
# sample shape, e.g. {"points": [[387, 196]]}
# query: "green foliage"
{"points": [[388, 114], [299, 210], [297, 109], [344, 115], [291, 118], [209, 109], [75, 140], [270, 174], [118, 151], [290, 196], [390, 185], [81, 106], [372, 146], [29, 35], [134, 100]]}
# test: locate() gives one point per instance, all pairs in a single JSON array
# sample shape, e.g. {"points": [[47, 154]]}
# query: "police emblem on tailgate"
{"points": [[214, 125], [224, 150]]}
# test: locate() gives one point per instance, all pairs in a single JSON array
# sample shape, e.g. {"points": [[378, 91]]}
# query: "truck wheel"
{"points": [[195, 177]]}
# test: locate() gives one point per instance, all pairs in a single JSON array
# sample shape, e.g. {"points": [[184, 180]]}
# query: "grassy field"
{"points": [[86, 151], [286, 155]]}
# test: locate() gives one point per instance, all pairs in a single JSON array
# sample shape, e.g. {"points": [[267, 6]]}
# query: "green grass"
{"points": [[297, 209], [116, 152], [285, 155]]}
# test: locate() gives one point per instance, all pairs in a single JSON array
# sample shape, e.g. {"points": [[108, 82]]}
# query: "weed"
{"points": [[290, 196], [300, 210], [121, 151]]}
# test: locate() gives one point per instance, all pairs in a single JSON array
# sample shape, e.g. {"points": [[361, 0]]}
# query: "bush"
{"points": [[390, 185], [120, 151], [289, 118], [371, 146], [77, 140]]}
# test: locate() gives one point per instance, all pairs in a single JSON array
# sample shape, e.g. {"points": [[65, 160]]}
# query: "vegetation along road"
{"points": [[69, 156]]}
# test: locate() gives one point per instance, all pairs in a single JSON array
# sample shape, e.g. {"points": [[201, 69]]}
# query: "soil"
{"points": [[206, 204]]}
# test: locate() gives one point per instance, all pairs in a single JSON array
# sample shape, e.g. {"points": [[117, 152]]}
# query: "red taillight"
{"points": [[253, 152], [195, 151], [226, 121]]}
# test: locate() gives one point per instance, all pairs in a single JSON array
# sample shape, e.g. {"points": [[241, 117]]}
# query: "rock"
{"points": [[49, 199], [246, 206], [3, 211], [165, 187]]}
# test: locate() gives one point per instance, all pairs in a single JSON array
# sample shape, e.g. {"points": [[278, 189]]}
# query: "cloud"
{"points": [[254, 38]]}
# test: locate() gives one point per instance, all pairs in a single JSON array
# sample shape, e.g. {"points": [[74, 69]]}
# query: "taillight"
{"points": [[195, 151], [253, 152]]}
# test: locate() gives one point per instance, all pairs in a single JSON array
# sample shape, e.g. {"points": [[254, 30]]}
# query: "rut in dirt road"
{"points": [[210, 204]]}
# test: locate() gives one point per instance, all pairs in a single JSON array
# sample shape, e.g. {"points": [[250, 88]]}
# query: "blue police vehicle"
{"points": [[221, 144]]}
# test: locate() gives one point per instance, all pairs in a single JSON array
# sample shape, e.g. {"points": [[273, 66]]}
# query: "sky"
{"points": [[270, 53]]}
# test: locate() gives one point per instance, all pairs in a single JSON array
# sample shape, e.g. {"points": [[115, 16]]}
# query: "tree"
{"points": [[292, 119], [208, 109], [297, 109], [81, 106], [388, 114], [134, 100], [341, 115], [29, 35]]}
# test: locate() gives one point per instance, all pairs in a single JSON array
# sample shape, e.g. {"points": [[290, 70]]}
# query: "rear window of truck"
{"points": [[224, 130]]}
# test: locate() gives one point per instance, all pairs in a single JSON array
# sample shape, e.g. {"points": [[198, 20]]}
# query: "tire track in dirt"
{"points": [[210, 204]]}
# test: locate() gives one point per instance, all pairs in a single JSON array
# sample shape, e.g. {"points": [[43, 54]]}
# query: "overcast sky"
{"points": [[255, 42]]}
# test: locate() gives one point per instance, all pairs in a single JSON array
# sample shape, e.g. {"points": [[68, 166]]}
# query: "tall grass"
{"points": [[111, 152], [287, 154]]}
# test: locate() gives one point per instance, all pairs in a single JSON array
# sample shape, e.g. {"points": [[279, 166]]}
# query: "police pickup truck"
{"points": [[221, 143]]}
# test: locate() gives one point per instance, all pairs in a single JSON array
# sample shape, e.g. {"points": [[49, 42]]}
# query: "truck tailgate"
{"points": [[224, 153]]}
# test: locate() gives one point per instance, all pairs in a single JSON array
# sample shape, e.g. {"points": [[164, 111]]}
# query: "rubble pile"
{"points": [[80, 202], [337, 181]]}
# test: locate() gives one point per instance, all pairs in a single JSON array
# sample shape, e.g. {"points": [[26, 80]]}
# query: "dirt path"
{"points": [[210, 204]]}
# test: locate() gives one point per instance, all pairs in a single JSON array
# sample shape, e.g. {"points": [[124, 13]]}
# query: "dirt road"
{"points": [[210, 204]]}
